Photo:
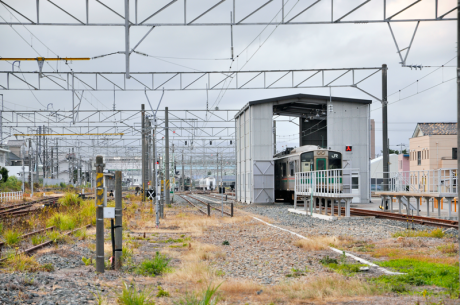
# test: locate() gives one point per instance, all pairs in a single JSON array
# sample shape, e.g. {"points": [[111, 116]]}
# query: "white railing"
{"points": [[10, 196], [326, 183], [427, 181]]}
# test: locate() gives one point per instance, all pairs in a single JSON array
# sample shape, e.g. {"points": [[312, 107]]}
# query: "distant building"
{"points": [[4, 156], [433, 146]]}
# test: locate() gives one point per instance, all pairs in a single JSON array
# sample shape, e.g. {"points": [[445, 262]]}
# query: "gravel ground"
{"points": [[355, 227]]}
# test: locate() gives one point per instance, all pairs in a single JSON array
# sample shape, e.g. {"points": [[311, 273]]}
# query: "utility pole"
{"points": [[222, 184], [38, 151], [162, 188], [118, 220], [183, 176], [143, 151], [73, 167], [70, 180], [458, 112], [386, 157], [100, 214], [44, 156], [57, 159], [167, 187], [52, 163], [274, 137], [30, 170], [154, 168], [191, 172]]}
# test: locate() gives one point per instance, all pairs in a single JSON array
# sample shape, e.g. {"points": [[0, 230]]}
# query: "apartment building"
{"points": [[433, 146]]}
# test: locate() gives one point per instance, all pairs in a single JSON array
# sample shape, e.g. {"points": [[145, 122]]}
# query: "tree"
{"points": [[4, 173]]}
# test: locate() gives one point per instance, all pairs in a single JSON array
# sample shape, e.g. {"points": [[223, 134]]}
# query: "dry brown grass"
{"points": [[418, 254], [324, 287], [317, 243], [192, 273], [239, 287]]}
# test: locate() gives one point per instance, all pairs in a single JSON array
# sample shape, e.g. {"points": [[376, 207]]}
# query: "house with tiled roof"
{"points": [[433, 146]]}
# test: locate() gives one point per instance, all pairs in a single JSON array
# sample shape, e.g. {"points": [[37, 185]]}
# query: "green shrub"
{"points": [[38, 239], [61, 221], [70, 199], [162, 292], [155, 266], [1, 227], [62, 185], [12, 237], [131, 295]]}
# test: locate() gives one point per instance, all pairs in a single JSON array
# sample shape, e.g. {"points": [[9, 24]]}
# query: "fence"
{"points": [[327, 183], [9, 196], [426, 181]]}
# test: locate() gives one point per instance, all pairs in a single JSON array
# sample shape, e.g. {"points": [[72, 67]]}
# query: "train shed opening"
{"points": [[331, 122]]}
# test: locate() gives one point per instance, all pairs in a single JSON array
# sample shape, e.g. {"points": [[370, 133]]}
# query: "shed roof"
{"points": [[429, 129], [295, 104]]}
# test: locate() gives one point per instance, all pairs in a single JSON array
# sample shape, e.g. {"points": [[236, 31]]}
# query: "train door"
{"points": [[321, 164]]}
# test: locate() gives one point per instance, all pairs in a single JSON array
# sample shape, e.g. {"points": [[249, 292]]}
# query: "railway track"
{"points": [[25, 208], [407, 218], [204, 203]]}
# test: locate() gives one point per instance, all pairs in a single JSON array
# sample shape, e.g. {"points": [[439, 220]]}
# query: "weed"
{"points": [[327, 260], [206, 299], [127, 256], [448, 249], [81, 234], [1, 227], [162, 292], [419, 273], [155, 266], [88, 261], [225, 243], [295, 273], [61, 221], [28, 280], [436, 233], [55, 236], [70, 199], [220, 273], [24, 263], [365, 248], [12, 237], [130, 295], [38, 239], [100, 298], [169, 205], [48, 267]]}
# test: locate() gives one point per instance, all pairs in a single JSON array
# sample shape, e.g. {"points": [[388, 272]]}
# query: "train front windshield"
{"points": [[335, 160]]}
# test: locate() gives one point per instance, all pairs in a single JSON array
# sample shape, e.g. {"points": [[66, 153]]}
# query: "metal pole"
{"points": [[154, 178], [386, 157], [162, 187], [274, 137], [167, 187], [143, 149], [458, 114], [38, 152], [1, 124], [57, 159], [222, 184], [30, 170], [52, 162], [99, 215], [118, 220], [183, 176], [72, 177], [127, 42]]}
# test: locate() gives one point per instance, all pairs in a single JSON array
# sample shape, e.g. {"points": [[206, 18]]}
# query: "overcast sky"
{"points": [[288, 47]]}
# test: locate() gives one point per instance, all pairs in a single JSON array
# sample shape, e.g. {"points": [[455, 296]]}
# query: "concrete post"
{"points": [[118, 220], [449, 199], [144, 148], [347, 207], [167, 197], [391, 204], [399, 203], [99, 215], [418, 205], [386, 157]]}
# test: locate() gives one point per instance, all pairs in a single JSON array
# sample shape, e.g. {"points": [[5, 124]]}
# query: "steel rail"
{"points": [[189, 202], [46, 243], [211, 205], [31, 233]]}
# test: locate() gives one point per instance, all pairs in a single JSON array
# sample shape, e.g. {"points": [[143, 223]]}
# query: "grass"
{"points": [[420, 273], [317, 243], [155, 266], [12, 237], [38, 239], [131, 295], [325, 287], [70, 199], [436, 233], [24, 263], [162, 293], [207, 298], [341, 266], [62, 221], [449, 249]]}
